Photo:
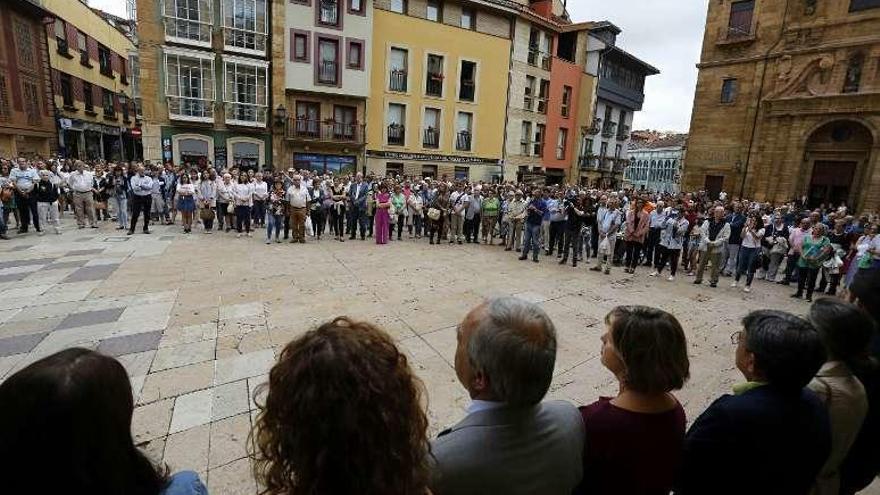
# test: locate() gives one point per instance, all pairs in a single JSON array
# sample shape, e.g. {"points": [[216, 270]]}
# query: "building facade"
{"points": [[787, 103], [656, 165], [27, 126], [438, 98], [204, 71], [89, 55], [327, 82], [621, 93]]}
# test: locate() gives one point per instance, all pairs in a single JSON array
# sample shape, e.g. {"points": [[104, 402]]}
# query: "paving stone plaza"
{"points": [[197, 321]]}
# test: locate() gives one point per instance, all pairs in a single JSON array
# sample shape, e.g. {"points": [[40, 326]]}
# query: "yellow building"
{"points": [[88, 56], [438, 89]]}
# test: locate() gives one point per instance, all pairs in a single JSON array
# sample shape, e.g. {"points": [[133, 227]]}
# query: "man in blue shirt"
{"points": [[23, 179], [736, 220], [535, 212]]}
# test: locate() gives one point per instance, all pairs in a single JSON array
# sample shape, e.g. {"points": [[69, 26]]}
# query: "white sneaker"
{"points": [[653, 274], [238, 235], [747, 289], [268, 241], [249, 234], [733, 284], [671, 278]]}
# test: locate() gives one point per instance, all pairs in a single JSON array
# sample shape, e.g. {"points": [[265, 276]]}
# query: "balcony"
{"points": [[623, 133], [540, 59], [326, 131], [467, 91], [327, 72], [432, 138], [190, 109], [329, 12], [246, 40], [588, 162], [396, 135], [398, 80], [434, 84], [463, 141], [595, 127], [732, 35], [525, 147], [609, 129], [188, 31], [246, 114]]}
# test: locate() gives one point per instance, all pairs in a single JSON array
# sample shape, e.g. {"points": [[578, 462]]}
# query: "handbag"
{"points": [[604, 246], [392, 211], [230, 208], [434, 214], [206, 214]]}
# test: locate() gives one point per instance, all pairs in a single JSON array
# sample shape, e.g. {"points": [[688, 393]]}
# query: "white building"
{"points": [[656, 165]]}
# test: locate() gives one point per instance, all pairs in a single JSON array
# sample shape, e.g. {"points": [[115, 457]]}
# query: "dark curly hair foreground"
{"points": [[343, 415]]}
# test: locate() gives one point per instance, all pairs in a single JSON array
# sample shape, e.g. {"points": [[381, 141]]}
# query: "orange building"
{"points": [[565, 85]]}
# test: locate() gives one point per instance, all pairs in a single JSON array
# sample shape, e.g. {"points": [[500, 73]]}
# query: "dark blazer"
{"points": [[361, 202], [763, 441], [533, 450]]}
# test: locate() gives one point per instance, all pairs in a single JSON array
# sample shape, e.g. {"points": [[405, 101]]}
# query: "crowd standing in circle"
{"points": [[817, 249]]}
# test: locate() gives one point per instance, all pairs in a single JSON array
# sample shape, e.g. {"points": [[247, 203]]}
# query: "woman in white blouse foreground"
{"points": [[243, 196], [186, 203]]}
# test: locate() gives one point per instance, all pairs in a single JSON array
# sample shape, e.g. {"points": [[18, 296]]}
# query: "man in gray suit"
{"points": [[510, 442]]}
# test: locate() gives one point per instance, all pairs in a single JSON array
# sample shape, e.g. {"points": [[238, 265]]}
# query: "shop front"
{"points": [[450, 167], [92, 141], [326, 164]]}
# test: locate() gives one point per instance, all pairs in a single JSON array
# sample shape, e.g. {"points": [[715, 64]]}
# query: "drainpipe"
{"points": [[745, 173]]}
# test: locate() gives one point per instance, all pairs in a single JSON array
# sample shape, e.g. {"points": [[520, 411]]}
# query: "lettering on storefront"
{"points": [[424, 157]]}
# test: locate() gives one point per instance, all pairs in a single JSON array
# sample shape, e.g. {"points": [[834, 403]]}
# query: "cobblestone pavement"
{"points": [[197, 321]]}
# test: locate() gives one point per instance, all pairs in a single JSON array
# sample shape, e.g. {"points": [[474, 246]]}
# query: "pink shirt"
{"points": [[796, 240]]}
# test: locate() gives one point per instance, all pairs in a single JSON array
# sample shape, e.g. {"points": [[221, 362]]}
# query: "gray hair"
{"points": [[514, 344]]}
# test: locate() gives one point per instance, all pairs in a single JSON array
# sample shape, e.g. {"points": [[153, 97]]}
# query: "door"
{"points": [[831, 182], [714, 185]]}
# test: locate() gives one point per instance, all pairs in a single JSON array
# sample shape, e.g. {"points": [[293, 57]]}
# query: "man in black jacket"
{"points": [[47, 193]]}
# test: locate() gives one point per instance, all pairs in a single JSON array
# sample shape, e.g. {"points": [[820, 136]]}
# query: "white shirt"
{"points": [[186, 189], [457, 201], [81, 182], [483, 405], [261, 190], [751, 241], [243, 194], [298, 197]]}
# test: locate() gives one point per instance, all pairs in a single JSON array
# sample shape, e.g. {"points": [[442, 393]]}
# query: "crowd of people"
{"points": [[818, 249], [343, 412]]}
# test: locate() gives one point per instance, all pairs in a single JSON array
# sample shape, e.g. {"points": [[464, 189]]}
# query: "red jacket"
{"points": [[637, 225]]}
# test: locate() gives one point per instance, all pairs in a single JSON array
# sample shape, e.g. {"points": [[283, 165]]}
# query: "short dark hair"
{"points": [[866, 288], [845, 329], [653, 348], [788, 349]]}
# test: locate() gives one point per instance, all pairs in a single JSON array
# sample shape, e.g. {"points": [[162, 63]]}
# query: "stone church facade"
{"points": [[787, 104]]}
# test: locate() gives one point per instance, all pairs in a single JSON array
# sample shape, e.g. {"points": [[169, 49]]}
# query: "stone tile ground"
{"points": [[198, 320]]}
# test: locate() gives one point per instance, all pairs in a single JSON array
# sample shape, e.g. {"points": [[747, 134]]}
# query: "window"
{"points": [[308, 119], [107, 104], [740, 23], [728, 91], [396, 124], [566, 101], [462, 173], [857, 5], [356, 6], [123, 71], [24, 40], [529, 97], [429, 171], [467, 82], [618, 149], [543, 95], [88, 96], [561, 143], [539, 139], [300, 47], [434, 81], [83, 48], [393, 169], [246, 93], [468, 18], [399, 6], [328, 65], [123, 104], [432, 128], [603, 150], [104, 61], [525, 139], [66, 90], [344, 122], [189, 21], [4, 99], [244, 25], [398, 64], [853, 77], [328, 12], [189, 87], [61, 37], [464, 131], [355, 58], [31, 102], [434, 11]]}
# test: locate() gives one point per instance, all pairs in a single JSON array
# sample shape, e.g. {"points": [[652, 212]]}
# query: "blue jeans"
{"points": [[121, 210], [275, 222], [532, 240], [746, 263]]}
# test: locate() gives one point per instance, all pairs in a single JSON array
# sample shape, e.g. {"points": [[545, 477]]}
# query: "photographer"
{"points": [[574, 209], [534, 217]]}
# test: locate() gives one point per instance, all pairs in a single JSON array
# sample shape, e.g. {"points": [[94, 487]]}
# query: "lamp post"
{"points": [[280, 115]]}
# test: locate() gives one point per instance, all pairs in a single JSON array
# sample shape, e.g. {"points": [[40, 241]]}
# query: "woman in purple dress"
{"points": [[383, 220]]}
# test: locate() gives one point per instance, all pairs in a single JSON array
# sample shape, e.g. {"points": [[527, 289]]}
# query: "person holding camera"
{"points": [[575, 213], [535, 212]]}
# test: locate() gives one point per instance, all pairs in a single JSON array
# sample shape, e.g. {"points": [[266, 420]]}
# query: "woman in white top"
{"points": [[207, 196], [224, 199], [752, 233], [672, 239], [261, 194], [243, 196], [186, 203]]}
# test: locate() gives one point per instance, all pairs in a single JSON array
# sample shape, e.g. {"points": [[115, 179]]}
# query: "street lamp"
{"points": [[280, 115]]}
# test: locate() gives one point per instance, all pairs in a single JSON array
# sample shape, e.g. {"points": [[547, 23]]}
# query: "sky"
{"points": [[667, 35]]}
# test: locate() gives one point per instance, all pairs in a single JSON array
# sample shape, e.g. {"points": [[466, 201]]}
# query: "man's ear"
{"points": [[480, 383]]}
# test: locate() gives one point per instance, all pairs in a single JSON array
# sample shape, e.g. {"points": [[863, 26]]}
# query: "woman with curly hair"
{"points": [[343, 415]]}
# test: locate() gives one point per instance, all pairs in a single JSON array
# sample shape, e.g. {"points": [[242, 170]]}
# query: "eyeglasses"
{"points": [[736, 337]]}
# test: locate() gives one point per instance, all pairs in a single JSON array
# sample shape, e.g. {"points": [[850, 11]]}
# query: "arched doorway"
{"points": [[837, 153]]}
